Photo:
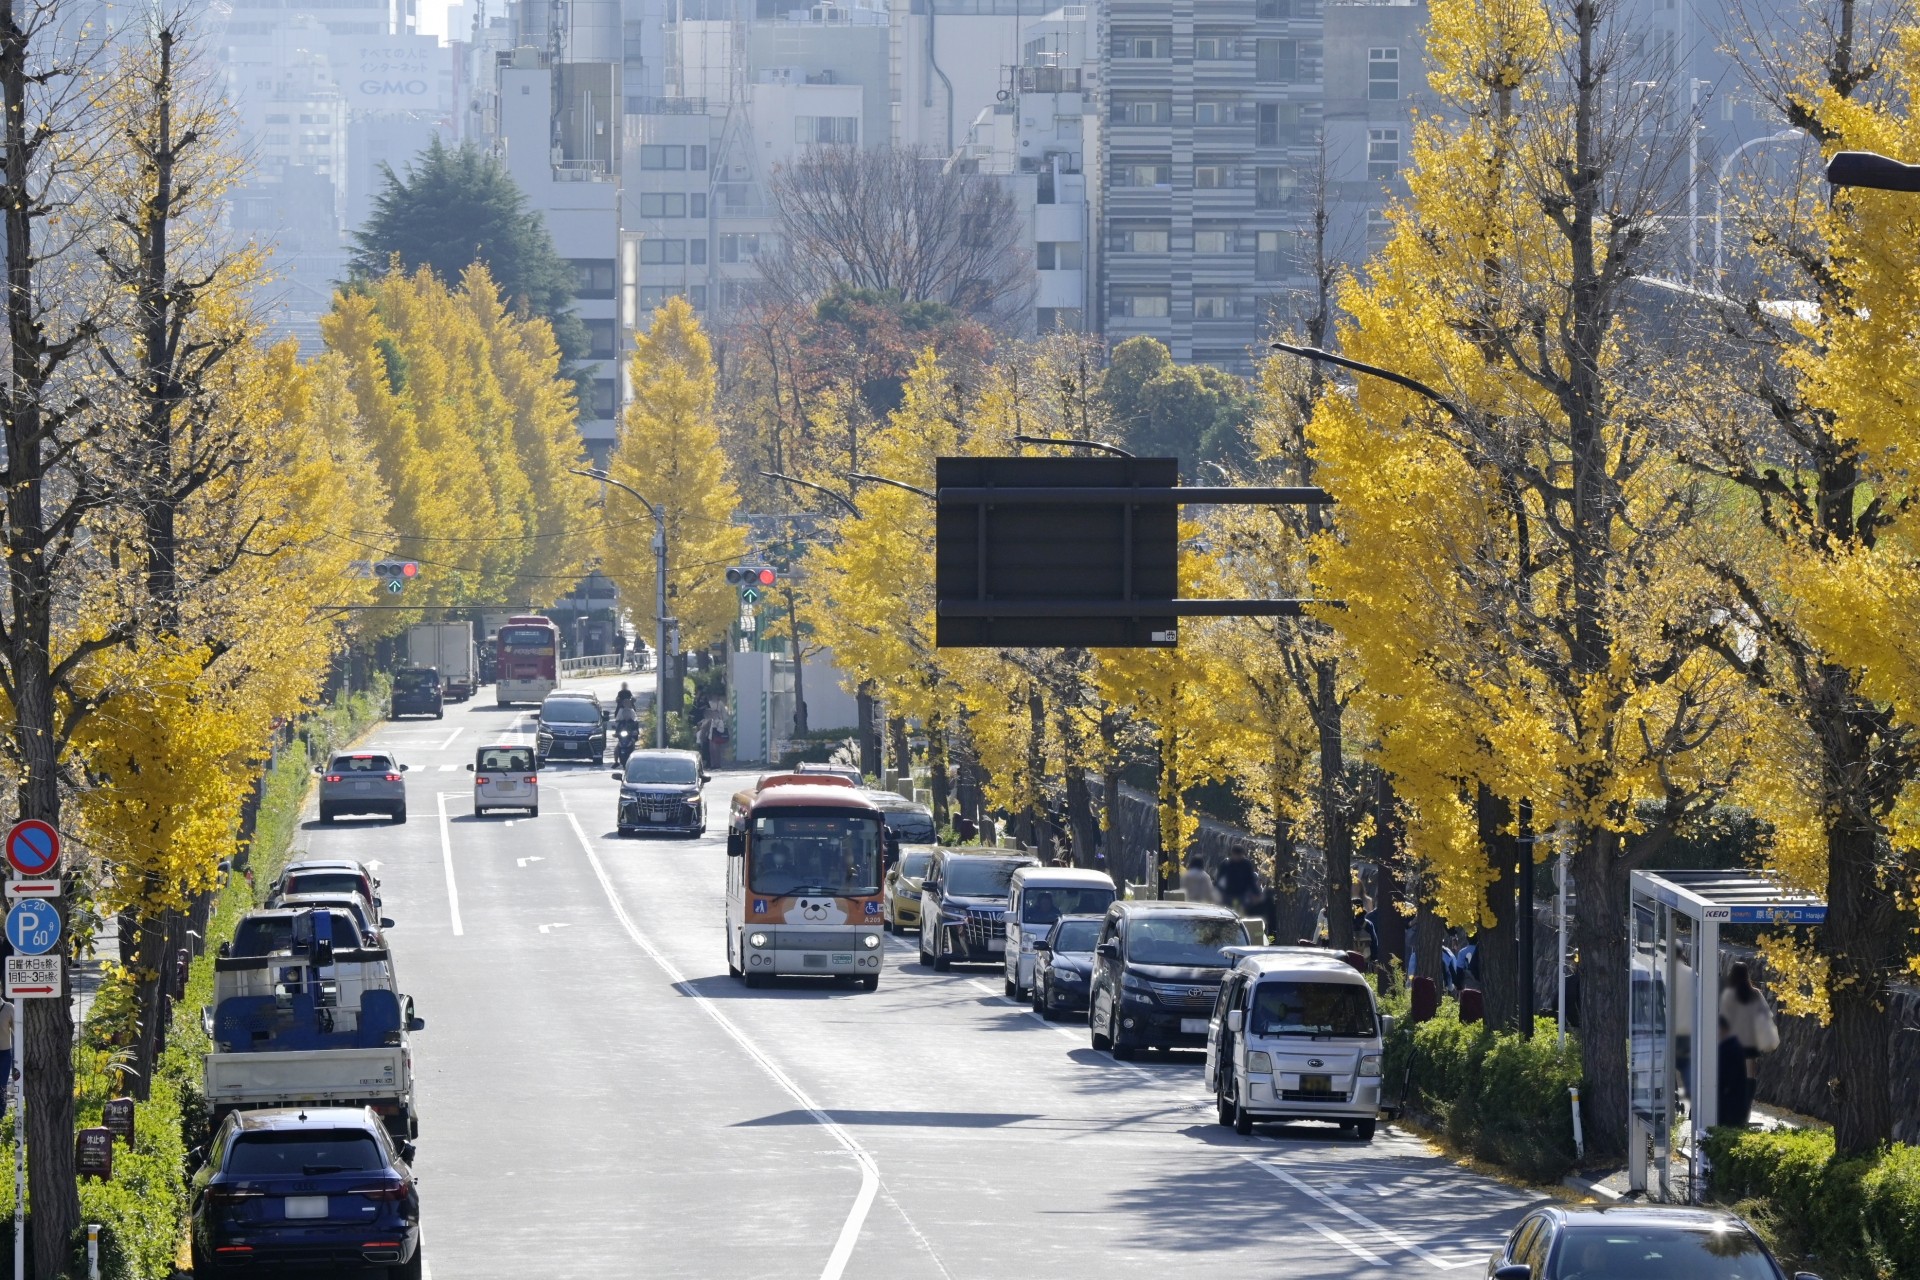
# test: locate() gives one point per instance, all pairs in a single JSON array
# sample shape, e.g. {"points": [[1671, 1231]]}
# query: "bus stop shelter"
{"points": [[1674, 1011]]}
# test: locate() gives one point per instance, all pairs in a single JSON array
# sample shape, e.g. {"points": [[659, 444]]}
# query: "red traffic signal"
{"points": [[409, 569], [764, 577], [754, 575]]}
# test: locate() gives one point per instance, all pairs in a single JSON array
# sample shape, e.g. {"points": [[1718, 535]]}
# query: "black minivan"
{"points": [[417, 692], [963, 906], [1156, 971]]}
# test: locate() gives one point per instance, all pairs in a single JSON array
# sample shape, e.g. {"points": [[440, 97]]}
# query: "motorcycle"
{"points": [[625, 734]]}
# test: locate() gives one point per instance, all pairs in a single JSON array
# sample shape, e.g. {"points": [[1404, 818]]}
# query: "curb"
{"points": [[1589, 1188]]}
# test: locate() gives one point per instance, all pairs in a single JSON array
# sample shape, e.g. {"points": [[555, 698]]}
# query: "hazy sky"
{"points": [[433, 17]]}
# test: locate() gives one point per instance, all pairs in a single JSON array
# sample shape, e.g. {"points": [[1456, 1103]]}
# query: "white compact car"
{"points": [[504, 777]]}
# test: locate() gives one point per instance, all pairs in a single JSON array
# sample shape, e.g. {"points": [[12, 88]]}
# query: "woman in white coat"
{"points": [[1751, 1023]]}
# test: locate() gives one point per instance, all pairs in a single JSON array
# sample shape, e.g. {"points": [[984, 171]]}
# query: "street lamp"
{"points": [[1720, 189], [659, 515], [1867, 169]]}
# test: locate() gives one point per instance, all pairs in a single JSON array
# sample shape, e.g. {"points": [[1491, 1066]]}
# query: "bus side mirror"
{"points": [[736, 845]]}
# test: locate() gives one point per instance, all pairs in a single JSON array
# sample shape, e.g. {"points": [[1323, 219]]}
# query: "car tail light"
{"points": [[479, 779], [333, 777], [393, 777], [381, 1244], [533, 777], [386, 1191], [233, 1248], [232, 1195]]}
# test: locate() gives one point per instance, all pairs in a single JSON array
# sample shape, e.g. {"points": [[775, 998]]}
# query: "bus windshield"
{"points": [[831, 852], [526, 640]]}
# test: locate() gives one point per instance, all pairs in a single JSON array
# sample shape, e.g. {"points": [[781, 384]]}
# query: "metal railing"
{"points": [[591, 663]]}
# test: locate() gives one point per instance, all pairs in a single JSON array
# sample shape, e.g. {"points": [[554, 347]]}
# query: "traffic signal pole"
{"points": [[659, 515]]}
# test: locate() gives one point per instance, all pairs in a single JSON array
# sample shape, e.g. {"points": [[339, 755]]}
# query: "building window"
{"points": [[1274, 187], [1142, 111], [697, 252], [592, 277], [1211, 177], [280, 119], [1146, 175], [603, 397], [1213, 306], [662, 157], [697, 205], [600, 339], [1149, 241], [1211, 242], [699, 297], [277, 139], [663, 204], [1141, 305], [1138, 45], [1276, 61], [1383, 154], [1379, 229], [1269, 135], [1383, 75], [827, 131], [1057, 255], [739, 246], [697, 159], [654, 253], [1212, 48], [1058, 319], [1213, 112], [1270, 10], [1268, 257]]}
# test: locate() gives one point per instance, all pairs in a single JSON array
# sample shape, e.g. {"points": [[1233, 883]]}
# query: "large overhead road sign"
{"points": [[1074, 552], [33, 847]]}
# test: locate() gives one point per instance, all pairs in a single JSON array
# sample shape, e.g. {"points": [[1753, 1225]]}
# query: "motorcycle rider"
{"points": [[624, 699], [626, 729]]}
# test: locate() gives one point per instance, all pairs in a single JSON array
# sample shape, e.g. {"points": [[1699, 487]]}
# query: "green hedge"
{"points": [[1501, 1097], [143, 1210], [1846, 1219]]}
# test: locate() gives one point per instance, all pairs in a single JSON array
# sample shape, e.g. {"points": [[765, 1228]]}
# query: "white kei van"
{"points": [[1295, 1035], [1038, 897]]}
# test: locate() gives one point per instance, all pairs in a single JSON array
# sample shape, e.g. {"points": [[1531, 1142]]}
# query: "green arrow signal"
{"points": [[749, 596], [395, 586]]}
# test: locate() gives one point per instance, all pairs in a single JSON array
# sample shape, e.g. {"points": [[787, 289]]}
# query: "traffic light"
{"points": [[396, 573], [751, 577]]}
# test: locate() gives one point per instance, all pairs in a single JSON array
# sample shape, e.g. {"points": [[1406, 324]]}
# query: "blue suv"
{"points": [[290, 1188]]}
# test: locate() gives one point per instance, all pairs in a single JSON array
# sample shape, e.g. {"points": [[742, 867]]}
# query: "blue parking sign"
{"points": [[33, 927]]}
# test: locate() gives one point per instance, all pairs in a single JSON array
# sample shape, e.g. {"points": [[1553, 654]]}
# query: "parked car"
{"points": [[372, 925], [1657, 1242], [326, 875], [505, 777], [660, 791], [1041, 895], [1295, 1035], [269, 930], [1157, 968], [910, 823], [900, 891], [363, 782], [963, 904], [416, 692], [570, 726], [846, 771], [288, 1187], [1063, 966]]}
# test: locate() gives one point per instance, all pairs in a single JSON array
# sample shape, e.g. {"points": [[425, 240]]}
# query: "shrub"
{"points": [[1499, 1095], [1851, 1219]]}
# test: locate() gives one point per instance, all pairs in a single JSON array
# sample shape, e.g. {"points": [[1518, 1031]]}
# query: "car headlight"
{"points": [[1370, 1064], [1136, 986], [757, 939], [910, 894], [1260, 1063], [949, 916], [870, 941], [1072, 976]]}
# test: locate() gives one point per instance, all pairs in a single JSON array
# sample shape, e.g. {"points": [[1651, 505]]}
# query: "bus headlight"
{"points": [[758, 939], [870, 941], [1259, 1063]]}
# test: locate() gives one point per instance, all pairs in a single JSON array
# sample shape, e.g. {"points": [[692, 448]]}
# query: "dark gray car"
{"points": [[963, 904], [1063, 966]]}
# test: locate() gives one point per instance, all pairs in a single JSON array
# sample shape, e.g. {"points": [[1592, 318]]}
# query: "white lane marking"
{"points": [[1068, 1032], [449, 742], [549, 928], [375, 865], [869, 1171], [1358, 1219], [426, 1270], [1345, 1243], [446, 862], [564, 802], [448, 768], [521, 862]]}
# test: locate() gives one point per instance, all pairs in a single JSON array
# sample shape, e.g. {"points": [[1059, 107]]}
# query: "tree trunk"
{"points": [[1428, 933], [902, 754], [1494, 947], [869, 732], [1394, 876], [1080, 821], [1603, 882], [937, 779], [1037, 834], [1333, 813], [799, 665], [1110, 800]]}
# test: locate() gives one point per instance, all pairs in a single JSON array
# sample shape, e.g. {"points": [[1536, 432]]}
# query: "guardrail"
{"points": [[591, 663]]}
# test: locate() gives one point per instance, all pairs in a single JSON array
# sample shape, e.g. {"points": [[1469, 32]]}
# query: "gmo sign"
{"points": [[394, 88]]}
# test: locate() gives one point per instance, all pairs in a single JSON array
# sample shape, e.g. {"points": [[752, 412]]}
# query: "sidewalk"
{"points": [[1613, 1185]]}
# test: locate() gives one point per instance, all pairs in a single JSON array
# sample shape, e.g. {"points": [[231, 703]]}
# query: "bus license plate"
{"points": [[843, 957], [813, 960]]}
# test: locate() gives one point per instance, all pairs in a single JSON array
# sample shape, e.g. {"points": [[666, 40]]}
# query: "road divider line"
{"points": [[1364, 1255], [450, 737], [1359, 1219], [869, 1171], [446, 863]]}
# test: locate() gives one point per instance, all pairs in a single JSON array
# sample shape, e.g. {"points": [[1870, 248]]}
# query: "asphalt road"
{"points": [[599, 1099]]}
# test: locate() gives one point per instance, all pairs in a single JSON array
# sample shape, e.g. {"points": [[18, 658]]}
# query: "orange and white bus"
{"points": [[804, 862]]}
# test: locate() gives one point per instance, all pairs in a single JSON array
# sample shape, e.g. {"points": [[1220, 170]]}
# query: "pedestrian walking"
{"points": [[1751, 1021], [1365, 936], [1195, 884], [1736, 1101], [1236, 881]]}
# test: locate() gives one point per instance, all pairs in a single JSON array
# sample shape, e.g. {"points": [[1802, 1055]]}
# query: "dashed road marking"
{"points": [[446, 863], [1364, 1255]]}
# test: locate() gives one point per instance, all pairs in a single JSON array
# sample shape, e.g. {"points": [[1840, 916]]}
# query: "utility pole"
{"points": [[659, 515]]}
